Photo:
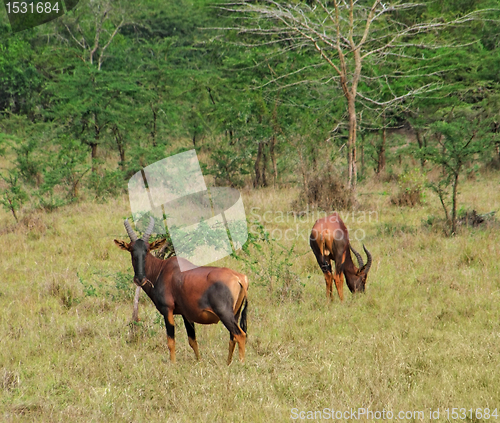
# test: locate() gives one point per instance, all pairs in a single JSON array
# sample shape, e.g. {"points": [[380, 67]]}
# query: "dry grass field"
{"points": [[425, 335]]}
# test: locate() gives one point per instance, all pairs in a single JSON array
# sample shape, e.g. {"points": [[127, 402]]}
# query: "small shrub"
{"points": [[291, 288], [435, 224], [388, 176], [106, 184], [12, 197], [493, 164], [229, 167], [88, 289], [274, 269], [472, 218], [28, 161], [326, 191], [411, 189], [50, 201], [284, 283], [34, 224]]}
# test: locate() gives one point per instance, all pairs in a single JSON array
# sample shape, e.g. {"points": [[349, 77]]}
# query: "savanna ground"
{"points": [[425, 335]]}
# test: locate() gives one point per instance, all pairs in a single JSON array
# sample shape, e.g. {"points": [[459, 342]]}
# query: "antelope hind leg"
{"points": [[232, 345], [192, 337]]}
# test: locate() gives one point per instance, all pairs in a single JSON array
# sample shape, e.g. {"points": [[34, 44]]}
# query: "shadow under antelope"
{"points": [[202, 295]]}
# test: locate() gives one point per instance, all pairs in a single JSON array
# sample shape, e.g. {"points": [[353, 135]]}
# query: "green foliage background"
{"points": [[91, 98], [122, 85]]}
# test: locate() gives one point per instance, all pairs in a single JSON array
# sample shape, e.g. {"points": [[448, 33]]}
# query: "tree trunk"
{"points": [[352, 144], [273, 159], [363, 159], [153, 132], [381, 151], [12, 208], [443, 153], [260, 166], [303, 169], [120, 145], [454, 205], [496, 130], [314, 157], [256, 182], [264, 165], [422, 143], [93, 147], [441, 194], [351, 98], [276, 130]]}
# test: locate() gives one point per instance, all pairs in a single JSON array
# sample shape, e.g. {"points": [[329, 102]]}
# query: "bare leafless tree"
{"points": [[346, 34], [108, 17]]}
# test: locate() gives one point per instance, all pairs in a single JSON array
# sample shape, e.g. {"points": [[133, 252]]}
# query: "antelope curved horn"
{"points": [[358, 256], [149, 229], [132, 235], [368, 259]]}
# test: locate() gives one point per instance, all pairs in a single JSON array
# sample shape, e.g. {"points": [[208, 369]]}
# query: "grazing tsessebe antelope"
{"points": [[329, 240]]}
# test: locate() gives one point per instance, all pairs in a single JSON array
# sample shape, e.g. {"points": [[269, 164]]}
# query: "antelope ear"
{"points": [[123, 245], [360, 271], [157, 244]]}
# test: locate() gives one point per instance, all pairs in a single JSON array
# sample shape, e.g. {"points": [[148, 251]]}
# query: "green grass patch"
{"points": [[426, 333]]}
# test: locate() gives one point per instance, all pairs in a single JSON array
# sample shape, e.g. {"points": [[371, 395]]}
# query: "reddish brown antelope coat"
{"points": [[329, 240], [201, 295]]}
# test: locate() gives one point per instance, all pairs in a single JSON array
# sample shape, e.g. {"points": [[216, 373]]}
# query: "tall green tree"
{"points": [[348, 36]]}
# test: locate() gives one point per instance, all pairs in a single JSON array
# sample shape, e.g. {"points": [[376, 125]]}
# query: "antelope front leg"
{"points": [[329, 285], [169, 323], [339, 283]]}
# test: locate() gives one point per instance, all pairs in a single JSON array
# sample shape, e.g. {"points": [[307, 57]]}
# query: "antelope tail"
{"points": [[243, 320]]}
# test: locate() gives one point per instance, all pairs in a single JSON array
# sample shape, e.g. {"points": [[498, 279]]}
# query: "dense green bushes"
{"points": [[84, 106]]}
